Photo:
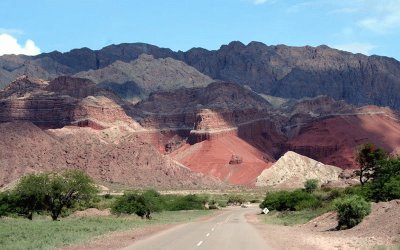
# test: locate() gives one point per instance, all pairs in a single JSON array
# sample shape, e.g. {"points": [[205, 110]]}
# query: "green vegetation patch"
{"points": [[19, 233], [288, 218]]}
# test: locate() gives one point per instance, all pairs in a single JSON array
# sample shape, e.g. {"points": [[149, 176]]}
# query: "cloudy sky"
{"points": [[363, 26]]}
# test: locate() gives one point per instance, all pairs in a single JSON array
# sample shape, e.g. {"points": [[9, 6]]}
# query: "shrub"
{"points": [[236, 200], [391, 188], [351, 210], [294, 201], [311, 185], [187, 202], [213, 206], [7, 203], [140, 204]]}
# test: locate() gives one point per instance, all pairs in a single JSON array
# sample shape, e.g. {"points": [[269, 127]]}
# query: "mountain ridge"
{"points": [[278, 70]]}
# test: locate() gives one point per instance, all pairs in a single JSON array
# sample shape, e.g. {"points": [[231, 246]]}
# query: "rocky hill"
{"points": [[292, 170], [284, 71]]}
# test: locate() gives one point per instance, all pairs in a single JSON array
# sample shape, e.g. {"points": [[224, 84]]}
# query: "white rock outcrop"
{"points": [[292, 170]]}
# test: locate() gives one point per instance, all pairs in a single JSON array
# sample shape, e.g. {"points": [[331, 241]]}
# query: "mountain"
{"points": [[284, 71], [140, 115]]}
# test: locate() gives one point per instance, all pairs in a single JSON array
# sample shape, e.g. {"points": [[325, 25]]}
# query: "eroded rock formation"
{"points": [[292, 170]]}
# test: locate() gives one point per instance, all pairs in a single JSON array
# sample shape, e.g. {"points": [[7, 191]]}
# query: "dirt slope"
{"points": [[381, 227]]}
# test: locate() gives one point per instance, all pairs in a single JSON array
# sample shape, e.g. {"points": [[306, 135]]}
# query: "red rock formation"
{"points": [[334, 140], [213, 156]]}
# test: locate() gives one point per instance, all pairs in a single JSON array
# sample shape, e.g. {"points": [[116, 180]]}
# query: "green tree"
{"points": [[53, 192], [30, 193], [311, 185], [386, 183], [368, 158]]}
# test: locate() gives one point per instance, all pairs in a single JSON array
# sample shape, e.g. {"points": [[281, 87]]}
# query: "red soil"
{"points": [[212, 157], [334, 141]]}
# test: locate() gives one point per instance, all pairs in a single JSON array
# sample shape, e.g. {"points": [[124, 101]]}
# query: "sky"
{"points": [[359, 26]]}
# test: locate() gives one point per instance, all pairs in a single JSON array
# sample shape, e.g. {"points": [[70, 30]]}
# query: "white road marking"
{"points": [[198, 244], [212, 229], [207, 234], [227, 218]]}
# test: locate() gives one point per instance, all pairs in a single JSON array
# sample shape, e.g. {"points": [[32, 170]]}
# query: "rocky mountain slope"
{"points": [[144, 75], [284, 71], [105, 155]]}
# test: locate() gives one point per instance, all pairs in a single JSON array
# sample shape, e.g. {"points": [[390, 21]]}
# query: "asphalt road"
{"points": [[228, 230]]}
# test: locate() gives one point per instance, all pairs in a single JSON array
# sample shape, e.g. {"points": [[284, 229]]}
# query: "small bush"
{"points": [[236, 200], [311, 185], [140, 204], [7, 204], [351, 210], [391, 188], [187, 202], [213, 206]]}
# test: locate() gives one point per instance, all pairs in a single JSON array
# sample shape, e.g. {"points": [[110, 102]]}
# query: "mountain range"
{"points": [[145, 116]]}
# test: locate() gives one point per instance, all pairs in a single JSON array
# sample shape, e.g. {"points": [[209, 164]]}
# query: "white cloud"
{"points": [[363, 48], [11, 31], [10, 45], [381, 24], [258, 2], [382, 15]]}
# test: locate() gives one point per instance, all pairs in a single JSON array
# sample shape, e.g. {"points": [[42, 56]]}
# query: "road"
{"points": [[229, 230]]}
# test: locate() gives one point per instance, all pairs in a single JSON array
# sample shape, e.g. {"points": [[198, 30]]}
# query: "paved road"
{"points": [[228, 230]]}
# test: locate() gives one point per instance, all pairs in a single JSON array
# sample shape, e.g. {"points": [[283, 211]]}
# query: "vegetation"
{"points": [[368, 157], [288, 218], [42, 233], [140, 204], [291, 200], [187, 202], [151, 201], [311, 185], [236, 199], [351, 210], [51, 192], [380, 181], [386, 183]]}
